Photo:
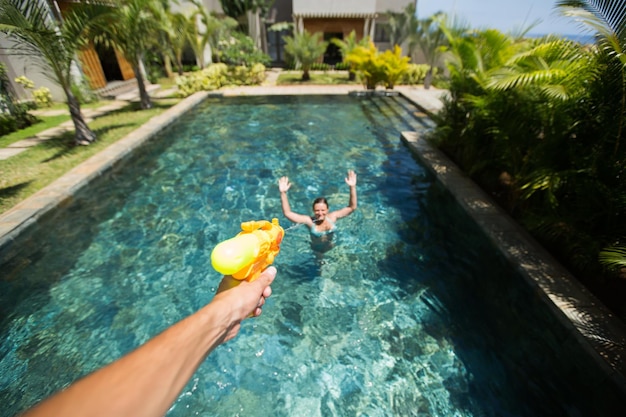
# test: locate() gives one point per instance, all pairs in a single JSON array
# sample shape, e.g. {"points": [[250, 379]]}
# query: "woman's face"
{"points": [[320, 210]]}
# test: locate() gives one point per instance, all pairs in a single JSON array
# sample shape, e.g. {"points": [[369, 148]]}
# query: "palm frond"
{"points": [[613, 257]]}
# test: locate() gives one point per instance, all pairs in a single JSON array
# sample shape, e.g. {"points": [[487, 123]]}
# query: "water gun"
{"points": [[246, 255]]}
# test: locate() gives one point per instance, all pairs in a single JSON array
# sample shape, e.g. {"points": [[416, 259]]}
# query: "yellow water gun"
{"points": [[246, 255]]}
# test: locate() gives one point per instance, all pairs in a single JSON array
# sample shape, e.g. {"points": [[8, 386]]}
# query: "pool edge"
{"points": [[586, 318]]}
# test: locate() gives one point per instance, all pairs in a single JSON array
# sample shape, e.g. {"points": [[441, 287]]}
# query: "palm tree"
{"points": [[347, 46], [429, 38], [198, 31], [51, 46], [608, 22], [402, 26], [306, 49], [607, 108], [132, 27], [174, 40]]}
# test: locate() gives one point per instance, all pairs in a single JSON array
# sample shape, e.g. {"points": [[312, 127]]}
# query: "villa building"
{"points": [[334, 18]]}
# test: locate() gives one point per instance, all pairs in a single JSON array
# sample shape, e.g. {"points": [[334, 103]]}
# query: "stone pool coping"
{"points": [[589, 322]]}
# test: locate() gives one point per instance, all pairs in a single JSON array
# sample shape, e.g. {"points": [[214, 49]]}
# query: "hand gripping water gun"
{"points": [[246, 255]]}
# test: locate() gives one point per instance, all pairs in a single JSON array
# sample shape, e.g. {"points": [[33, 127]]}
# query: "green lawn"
{"points": [[45, 122], [28, 172]]}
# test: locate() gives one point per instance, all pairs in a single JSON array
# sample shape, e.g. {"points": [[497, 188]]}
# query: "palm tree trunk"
{"points": [[429, 78], [83, 134], [167, 63], [144, 97], [179, 63]]}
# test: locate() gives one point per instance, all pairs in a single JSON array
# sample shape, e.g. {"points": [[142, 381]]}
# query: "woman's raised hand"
{"points": [[351, 178], [283, 184]]}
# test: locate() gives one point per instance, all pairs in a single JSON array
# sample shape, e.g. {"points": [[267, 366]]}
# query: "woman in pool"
{"points": [[322, 224]]}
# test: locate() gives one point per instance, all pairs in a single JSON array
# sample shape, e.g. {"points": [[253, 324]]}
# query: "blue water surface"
{"points": [[412, 313]]}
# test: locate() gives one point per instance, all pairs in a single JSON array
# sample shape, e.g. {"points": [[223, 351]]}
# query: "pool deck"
{"points": [[589, 322]]}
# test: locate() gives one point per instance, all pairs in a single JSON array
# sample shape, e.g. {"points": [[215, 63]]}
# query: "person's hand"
{"points": [[351, 178], [244, 299], [283, 184]]}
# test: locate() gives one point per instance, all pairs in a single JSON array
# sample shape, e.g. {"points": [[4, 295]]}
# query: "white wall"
{"points": [[26, 66], [334, 6], [396, 6], [327, 7]]}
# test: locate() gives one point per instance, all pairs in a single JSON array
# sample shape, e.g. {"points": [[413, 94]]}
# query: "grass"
{"points": [[57, 105], [45, 122], [30, 171], [325, 78]]}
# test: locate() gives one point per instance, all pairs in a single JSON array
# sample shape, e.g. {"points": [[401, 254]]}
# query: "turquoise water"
{"points": [[411, 313]]}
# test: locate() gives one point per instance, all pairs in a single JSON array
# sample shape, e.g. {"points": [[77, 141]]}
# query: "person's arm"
{"points": [[283, 187], [146, 382], [352, 203]]}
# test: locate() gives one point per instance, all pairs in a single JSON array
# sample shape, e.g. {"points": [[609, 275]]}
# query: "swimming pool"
{"points": [[411, 313]]}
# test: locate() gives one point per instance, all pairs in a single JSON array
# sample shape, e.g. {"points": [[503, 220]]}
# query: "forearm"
{"points": [[353, 201], [294, 217], [284, 202], [146, 381]]}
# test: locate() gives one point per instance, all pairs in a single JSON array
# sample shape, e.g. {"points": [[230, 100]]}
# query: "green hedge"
{"points": [[216, 76]]}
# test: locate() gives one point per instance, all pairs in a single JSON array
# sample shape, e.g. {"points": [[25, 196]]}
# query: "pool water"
{"points": [[411, 313]]}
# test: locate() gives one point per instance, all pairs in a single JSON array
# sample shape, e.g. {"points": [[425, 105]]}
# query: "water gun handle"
{"points": [[246, 255]]}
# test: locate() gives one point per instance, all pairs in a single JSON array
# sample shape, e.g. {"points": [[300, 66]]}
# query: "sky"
{"points": [[504, 15]]}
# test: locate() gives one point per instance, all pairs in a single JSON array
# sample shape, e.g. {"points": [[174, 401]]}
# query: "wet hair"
{"points": [[320, 200]]}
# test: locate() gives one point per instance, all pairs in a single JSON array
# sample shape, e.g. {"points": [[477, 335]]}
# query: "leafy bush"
{"points": [[342, 66], [320, 66], [216, 76], [190, 68], [43, 97], [239, 49], [376, 68], [394, 66], [363, 60], [25, 82], [13, 115], [415, 74]]}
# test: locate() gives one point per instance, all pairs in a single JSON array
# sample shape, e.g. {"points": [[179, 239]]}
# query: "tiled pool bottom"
{"points": [[398, 319]]}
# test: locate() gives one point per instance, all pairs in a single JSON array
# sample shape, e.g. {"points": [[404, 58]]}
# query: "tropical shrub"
{"points": [[42, 97], [25, 82], [320, 66], [395, 66], [367, 65], [540, 124], [346, 46], [239, 49], [13, 115], [375, 68], [415, 74], [216, 76], [305, 49]]}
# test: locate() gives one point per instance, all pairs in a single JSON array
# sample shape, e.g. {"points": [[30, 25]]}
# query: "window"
{"points": [[381, 32]]}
